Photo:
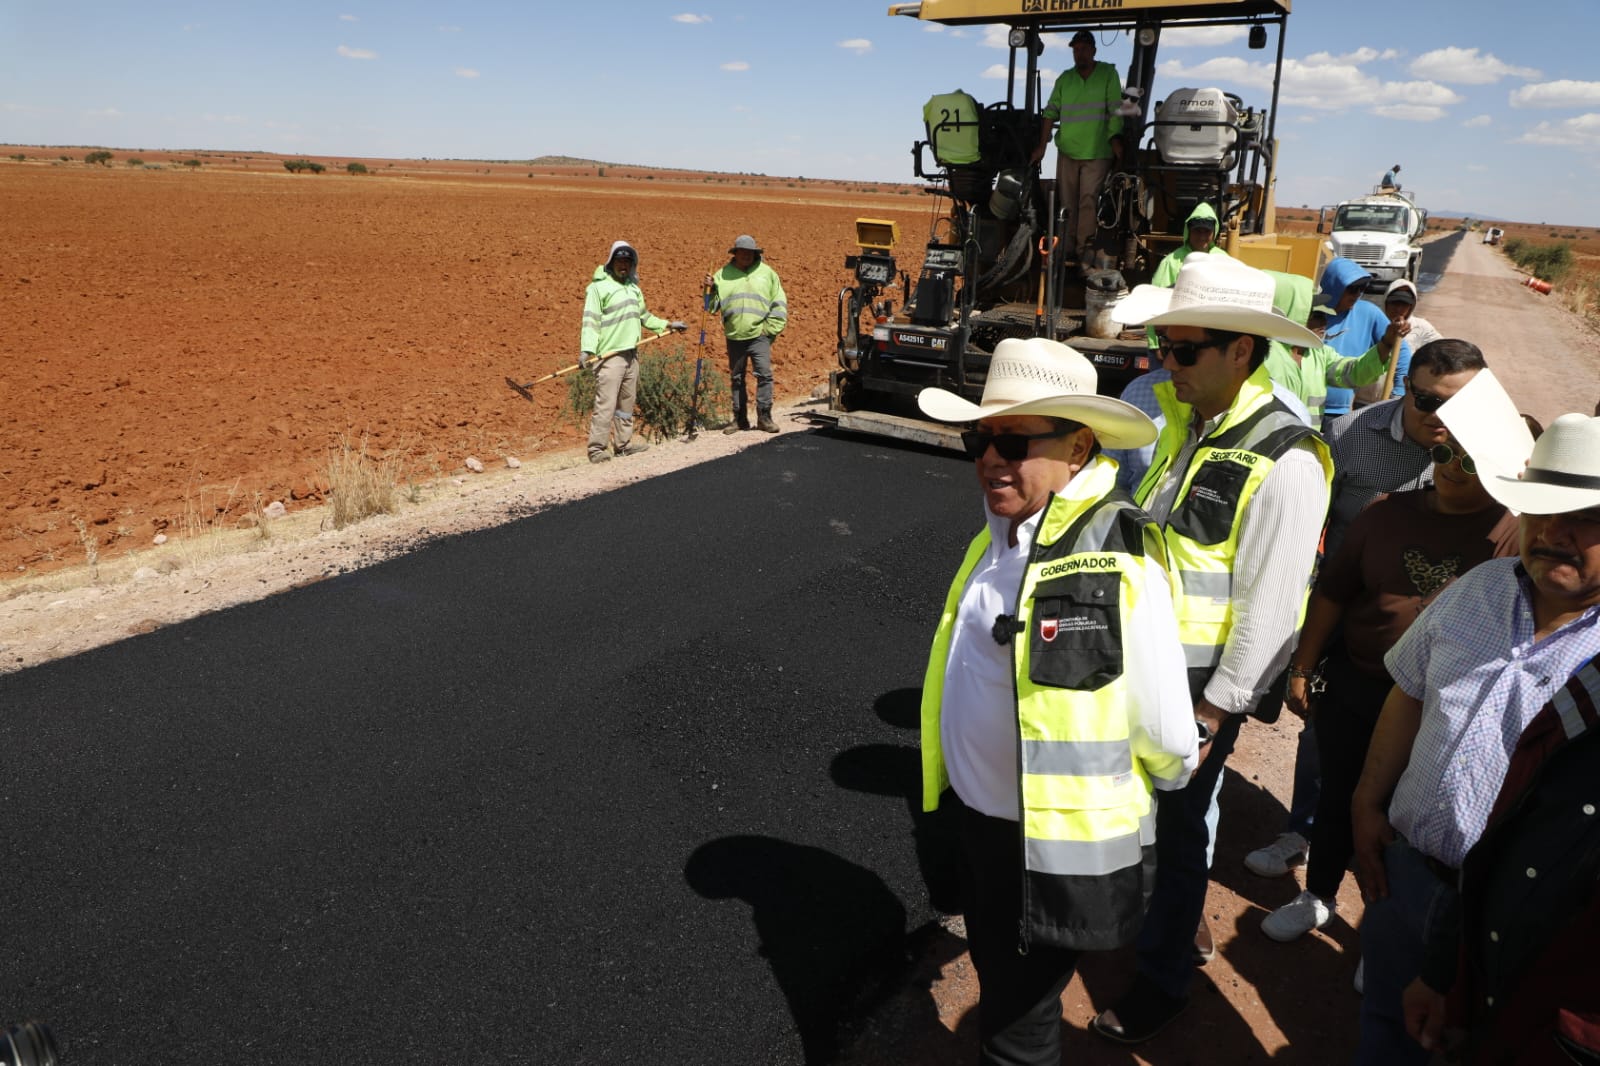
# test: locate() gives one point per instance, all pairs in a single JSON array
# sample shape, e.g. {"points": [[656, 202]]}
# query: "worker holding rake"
{"points": [[614, 316]]}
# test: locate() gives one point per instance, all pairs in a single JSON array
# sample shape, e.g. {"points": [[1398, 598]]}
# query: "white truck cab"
{"points": [[1382, 231]]}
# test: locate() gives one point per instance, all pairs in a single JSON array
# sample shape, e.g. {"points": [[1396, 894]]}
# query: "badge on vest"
{"points": [[1048, 628]]}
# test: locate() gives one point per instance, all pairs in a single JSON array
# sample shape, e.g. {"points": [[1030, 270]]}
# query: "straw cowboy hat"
{"points": [[1037, 376], [1563, 474], [1214, 292]]}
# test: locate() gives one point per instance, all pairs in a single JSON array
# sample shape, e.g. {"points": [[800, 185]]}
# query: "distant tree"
{"points": [[101, 158], [191, 162], [355, 168], [19, 157], [136, 162]]}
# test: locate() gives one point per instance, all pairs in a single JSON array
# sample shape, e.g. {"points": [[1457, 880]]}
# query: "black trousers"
{"points": [[1019, 996], [1346, 714]]}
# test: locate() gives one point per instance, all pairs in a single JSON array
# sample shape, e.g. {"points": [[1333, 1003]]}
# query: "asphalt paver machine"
{"points": [[986, 273]]}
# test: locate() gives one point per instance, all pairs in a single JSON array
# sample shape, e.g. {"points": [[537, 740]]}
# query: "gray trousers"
{"points": [[1078, 183], [615, 385], [758, 353]]}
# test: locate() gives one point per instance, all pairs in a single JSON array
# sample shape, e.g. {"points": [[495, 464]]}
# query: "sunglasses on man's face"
{"points": [[1184, 353], [1012, 447], [1443, 453], [1427, 402]]}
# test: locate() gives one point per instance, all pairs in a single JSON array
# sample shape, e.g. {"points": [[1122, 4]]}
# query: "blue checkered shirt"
{"points": [[1472, 661]]}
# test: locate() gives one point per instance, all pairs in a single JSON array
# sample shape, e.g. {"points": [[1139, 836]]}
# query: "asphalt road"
{"points": [[629, 781]]}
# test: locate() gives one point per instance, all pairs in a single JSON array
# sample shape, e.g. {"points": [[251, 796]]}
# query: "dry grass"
{"points": [[361, 485]]}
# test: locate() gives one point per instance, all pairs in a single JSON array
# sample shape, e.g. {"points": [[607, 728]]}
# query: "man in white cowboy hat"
{"points": [[1469, 676], [1054, 695], [749, 296], [1239, 485]]}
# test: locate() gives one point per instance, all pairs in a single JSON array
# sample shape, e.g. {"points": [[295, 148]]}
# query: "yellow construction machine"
{"points": [[986, 273]]}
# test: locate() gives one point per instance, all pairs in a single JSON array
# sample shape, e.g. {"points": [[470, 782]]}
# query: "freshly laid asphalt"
{"points": [[630, 780]]}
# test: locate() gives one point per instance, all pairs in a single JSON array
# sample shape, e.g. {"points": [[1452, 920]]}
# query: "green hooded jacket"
{"points": [[1166, 273], [614, 316], [1317, 368]]}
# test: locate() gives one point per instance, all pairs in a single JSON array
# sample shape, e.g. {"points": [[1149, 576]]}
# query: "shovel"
{"points": [[523, 389]]}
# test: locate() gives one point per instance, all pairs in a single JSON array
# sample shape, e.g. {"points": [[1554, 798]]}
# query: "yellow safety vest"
{"points": [[1087, 820], [1202, 532]]}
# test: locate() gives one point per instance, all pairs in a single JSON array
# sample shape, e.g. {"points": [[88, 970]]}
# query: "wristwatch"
{"points": [[1203, 727]]}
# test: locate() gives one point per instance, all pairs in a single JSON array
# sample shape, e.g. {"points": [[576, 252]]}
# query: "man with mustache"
{"points": [[1470, 675]]}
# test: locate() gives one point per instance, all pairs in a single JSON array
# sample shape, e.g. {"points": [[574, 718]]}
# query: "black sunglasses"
{"points": [[1012, 447], [1443, 453], [1427, 402], [1185, 353]]}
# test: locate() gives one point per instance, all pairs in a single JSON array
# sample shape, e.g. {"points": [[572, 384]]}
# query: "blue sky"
{"points": [[1487, 111]]}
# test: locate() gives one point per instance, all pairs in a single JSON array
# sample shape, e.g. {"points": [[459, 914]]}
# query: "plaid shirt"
{"points": [[1481, 678], [1371, 455]]}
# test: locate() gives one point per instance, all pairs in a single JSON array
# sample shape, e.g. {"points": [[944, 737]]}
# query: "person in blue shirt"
{"points": [[1355, 326]]}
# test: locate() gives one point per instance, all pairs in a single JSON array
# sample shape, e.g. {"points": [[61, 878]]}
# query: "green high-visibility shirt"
{"points": [[1087, 111]]}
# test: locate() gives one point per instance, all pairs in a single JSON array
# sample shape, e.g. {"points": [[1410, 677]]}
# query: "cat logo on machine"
{"points": [[922, 340]]}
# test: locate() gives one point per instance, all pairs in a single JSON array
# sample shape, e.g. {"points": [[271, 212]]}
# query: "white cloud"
{"points": [[1478, 122], [1426, 93], [859, 45], [932, 27], [1201, 36], [1580, 132], [1356, 58], [103, 112], [466, 72], [357, 53], [997, 70], [1558, 94], [956, 33], [691, 20], [1464, 66], [231, 120], [996, 36], [1409, 112], [736, 65], [348, 18]]}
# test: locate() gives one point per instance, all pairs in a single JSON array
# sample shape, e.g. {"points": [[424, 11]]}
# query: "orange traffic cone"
{"points": [[1538, 286]]}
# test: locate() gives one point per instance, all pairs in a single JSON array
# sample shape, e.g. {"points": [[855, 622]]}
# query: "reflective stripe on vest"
{"points": [[1202, 532], [1085, 799]]}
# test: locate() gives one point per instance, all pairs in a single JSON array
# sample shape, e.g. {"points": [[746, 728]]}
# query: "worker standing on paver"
{"points": [[1085, 100], [614, 315], [749, 296]]}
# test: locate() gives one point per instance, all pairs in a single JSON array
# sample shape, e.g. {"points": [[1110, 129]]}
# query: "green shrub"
{"points": [[136, 162], [102, 158], [295, 166], [665, 396], [1552, 262], [19, 157], [355, 168], [191, 162]]}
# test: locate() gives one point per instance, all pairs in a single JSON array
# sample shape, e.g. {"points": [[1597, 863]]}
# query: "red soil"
{"points": [[181, 338]]}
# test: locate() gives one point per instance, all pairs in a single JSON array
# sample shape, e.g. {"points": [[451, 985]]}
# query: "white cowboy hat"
{"points": [[1214, 292], [1038, 376], [1563, 474]]}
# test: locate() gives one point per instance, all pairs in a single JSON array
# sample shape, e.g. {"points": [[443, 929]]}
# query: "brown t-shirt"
{"points": [[1395, 557]]}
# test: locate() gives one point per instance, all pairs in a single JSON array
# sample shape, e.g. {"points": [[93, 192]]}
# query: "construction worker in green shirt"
{"points": [[749, 296], [1308, 372], [1086, 101]]}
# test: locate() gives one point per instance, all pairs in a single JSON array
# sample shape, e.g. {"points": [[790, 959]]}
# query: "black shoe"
{"points": [[1143, 1011], [734, 427], [765, 423]]}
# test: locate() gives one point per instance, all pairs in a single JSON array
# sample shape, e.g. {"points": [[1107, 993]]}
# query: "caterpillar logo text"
{"points": [[919, 340]]}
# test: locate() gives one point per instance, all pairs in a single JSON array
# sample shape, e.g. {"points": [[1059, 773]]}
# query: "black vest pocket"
{"points": [[1205, 514], [1075, 634]]}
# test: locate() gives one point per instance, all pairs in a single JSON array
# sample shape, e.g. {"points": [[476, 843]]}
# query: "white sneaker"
{"points": [[1299, 916], [1360, 982], [1274, 860]]}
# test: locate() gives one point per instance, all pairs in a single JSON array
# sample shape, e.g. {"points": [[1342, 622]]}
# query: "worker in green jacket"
{"points": [[1199, 235], [1085, 100], [614, 316], [1308, 372], [749, 296]]}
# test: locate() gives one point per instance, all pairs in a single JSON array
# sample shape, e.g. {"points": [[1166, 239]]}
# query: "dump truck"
{"points": [[985, 274], [1382, 231]]}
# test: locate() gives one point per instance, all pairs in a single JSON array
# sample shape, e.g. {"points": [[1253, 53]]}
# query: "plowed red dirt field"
{"points": [[180, 338]]}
